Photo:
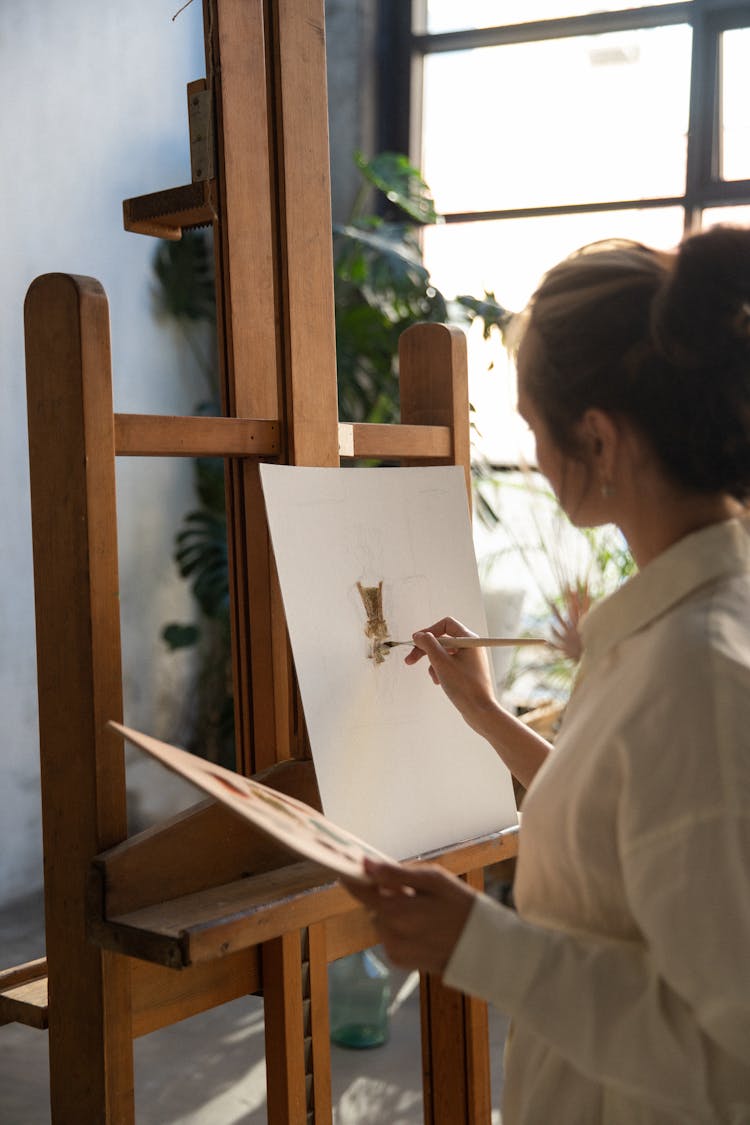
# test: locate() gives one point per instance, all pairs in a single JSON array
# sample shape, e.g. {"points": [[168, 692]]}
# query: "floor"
{"points": [[210, 1070]]}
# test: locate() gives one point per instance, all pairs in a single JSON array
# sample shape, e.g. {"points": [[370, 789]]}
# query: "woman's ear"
{"points": [[600, 436]]}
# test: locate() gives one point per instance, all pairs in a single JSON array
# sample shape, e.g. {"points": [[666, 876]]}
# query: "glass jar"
{"points": [[359, 994]]}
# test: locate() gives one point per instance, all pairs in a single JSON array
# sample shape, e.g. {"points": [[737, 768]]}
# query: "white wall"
{"points": [[92, 110]]}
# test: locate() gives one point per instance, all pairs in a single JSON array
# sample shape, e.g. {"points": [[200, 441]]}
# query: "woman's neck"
{"points": [[662, 515]]}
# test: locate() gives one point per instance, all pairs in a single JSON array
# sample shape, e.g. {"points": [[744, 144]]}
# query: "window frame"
{"points": [[405, 43]]}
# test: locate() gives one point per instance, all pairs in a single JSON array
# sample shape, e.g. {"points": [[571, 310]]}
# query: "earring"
{"points": [[607, 489]]}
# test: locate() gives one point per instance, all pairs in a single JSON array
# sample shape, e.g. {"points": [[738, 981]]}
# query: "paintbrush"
{"points": [[475, 642]]}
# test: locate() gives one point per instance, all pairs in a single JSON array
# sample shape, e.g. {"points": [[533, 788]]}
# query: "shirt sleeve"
{"points": [[643, 1017]]}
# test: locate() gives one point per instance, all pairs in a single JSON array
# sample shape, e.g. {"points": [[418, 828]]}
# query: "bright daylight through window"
{"points": [[547, 124]]}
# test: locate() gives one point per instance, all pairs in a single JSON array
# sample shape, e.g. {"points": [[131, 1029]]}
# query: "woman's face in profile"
{"points": [[569, 477]]}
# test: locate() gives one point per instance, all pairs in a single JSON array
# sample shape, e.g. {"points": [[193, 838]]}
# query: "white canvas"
{"points": [[396, 764]]}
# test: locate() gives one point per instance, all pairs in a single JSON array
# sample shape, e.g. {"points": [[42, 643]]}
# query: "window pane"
{"points": [[731, 216], [447, 15], [735, 104], [562, 121], [509, 258]]}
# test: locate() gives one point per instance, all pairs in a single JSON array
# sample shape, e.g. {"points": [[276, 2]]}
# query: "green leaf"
{"points": [[184, 271], [488, 310], [401, 183], [209, 483], [386, 268], [180, 636], [201, 555]]}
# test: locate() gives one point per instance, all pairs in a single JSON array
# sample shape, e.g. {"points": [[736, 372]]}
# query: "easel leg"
{"points": [[91, 1052], [455, 1052], [317, 1027], [72, 468], [298, 1061]]}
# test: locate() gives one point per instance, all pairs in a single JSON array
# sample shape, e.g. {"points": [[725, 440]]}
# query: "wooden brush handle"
{"points": [[478, 642]]}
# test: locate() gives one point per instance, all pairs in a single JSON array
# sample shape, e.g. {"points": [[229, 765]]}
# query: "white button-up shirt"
{"points": [[627, 967]]}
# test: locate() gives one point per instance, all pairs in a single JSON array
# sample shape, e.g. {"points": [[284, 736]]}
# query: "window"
{"points": [[541, 125]]}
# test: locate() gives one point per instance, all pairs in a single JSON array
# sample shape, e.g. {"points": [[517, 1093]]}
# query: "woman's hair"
{"points": [[662, 339]]}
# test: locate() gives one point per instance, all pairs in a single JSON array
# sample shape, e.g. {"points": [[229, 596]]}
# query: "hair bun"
{"points": [[704, 302]]}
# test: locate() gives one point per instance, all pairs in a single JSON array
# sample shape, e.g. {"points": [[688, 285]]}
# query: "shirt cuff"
{"points": [[495, 958]]}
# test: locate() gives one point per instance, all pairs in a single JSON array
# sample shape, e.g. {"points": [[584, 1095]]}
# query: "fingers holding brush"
{"points": [[463, 673]]}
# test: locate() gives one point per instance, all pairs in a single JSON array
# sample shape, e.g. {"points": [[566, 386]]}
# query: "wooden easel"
{"points": [[203, 893]]}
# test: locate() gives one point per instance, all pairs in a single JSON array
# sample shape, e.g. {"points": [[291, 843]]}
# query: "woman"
{"points": [[626, 968]]}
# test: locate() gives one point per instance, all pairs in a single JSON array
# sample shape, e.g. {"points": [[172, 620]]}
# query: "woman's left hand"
{"points": [[419, 912]]}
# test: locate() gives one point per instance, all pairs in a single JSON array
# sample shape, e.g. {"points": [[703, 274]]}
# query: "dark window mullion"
{"points": [[598, 23], [726, 193], [565, 209], [701, 147], [394, 79]]}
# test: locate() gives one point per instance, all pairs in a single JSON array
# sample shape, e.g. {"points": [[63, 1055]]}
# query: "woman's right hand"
{"points": [[465, 677], [464, 674]]}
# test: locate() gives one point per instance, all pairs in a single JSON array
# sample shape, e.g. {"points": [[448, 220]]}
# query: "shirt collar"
{"points": [[703, 556]]}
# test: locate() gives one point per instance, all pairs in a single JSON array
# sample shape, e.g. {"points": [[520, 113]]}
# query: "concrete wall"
{"points": [[351, 36], [93, 110]]}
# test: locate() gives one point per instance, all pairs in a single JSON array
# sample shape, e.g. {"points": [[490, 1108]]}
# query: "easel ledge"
{"points": [[214, 934], [211, 923]]}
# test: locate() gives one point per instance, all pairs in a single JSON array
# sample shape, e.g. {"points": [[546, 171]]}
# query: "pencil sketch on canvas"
{"points": [[395, 763]]}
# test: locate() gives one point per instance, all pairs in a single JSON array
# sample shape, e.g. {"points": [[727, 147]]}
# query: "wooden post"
{"points": [[434, 387], [455, 1055], [285, 1048], [71, 450], [317, 1028], [275, 314], [298, 1056], [455, 1052]]}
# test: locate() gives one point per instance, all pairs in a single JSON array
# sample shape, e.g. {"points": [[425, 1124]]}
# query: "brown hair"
{"points": [[661, 339]]}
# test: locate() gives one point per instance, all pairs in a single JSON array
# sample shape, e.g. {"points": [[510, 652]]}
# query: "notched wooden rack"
{"points": [[205, 893], [165, 214]]}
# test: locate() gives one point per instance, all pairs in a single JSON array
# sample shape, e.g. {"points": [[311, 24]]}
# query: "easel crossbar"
{"points": [[156, 435]]}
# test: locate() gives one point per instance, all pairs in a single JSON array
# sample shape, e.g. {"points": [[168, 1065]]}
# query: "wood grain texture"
{"points": [[247, 274], [285, 1038], [165, 214], [220, 919], [24, 994], [476, 1025], [71, 453], [455, 1050], [368, 439], [248, 334], [317, 1030], [162, 997], [434, 385], [300, 123], [222, 848], [155, 435]]}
